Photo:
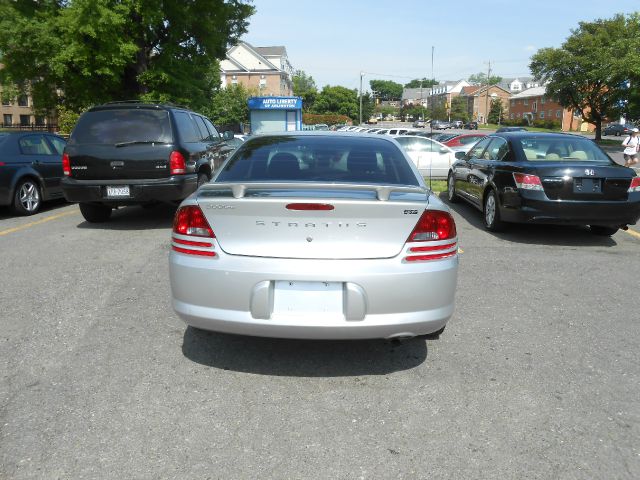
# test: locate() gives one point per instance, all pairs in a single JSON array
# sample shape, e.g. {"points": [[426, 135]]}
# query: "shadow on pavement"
{"points": [[301, 358], [137, 218], [50, 206], [538, 234]]}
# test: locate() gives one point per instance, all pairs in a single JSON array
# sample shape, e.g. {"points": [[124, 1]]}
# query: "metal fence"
{"points": [[51, 127]]}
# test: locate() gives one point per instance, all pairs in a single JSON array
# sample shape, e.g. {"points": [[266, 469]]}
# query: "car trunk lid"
{"points": [[583, 181], [312, 221]]}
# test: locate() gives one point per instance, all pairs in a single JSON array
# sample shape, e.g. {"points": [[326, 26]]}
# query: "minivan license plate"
{"points": [[119, 191]]}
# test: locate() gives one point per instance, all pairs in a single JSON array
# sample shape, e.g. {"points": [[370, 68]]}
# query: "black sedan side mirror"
{"points": [[228, 135], [460, 155]]}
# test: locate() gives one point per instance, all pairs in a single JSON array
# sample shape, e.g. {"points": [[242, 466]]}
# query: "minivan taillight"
{"points": [[635, 185], [177, 164], [433, 225], [191, 222], [66, 164]]}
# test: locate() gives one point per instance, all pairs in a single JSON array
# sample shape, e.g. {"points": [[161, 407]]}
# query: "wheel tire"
{"points": [[95, 212], [27, 198], [452, 196], [433, 335], [491, 212], [202, 179], [617, 134], [602, 230]]}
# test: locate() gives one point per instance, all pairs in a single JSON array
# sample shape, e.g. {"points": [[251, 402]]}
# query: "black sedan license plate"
{"points": [[587, 185]]}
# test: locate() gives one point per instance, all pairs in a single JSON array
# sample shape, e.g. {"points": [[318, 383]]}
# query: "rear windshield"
{"points": [[561, 148], [320, 159], [121, 126]]}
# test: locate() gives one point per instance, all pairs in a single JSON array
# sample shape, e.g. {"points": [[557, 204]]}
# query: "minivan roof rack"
{"points": [[148, 102]]}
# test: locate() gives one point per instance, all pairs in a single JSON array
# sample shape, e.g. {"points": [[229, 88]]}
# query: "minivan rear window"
{"points": [[121, 126]]}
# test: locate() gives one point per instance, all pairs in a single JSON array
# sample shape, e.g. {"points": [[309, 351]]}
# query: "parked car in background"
{"points": [[432, 158], [128, 153], [300, 234], [471, 125], [418, 124], [551, 178], [617, 129], [440, 124], [30, 170], [511, 129], [457, 124], [321, 126], [462, 142]]}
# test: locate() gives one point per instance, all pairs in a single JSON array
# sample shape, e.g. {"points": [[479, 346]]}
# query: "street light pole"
{"points": [[361, 75]]}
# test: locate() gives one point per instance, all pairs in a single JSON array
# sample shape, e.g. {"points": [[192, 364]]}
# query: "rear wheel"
{"points": [[452, 196], [95, 212], [491, 212], [28, 198], [602, 230]]}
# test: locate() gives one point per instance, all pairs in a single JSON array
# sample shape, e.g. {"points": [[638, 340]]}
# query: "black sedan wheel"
{"points": [[27, 199], [491, 212], [603, 231], [452, 196]]}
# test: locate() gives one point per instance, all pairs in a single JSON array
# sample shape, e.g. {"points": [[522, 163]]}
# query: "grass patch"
{"points": [[436, 185]]}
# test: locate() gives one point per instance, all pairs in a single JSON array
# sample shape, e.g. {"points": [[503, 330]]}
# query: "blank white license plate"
{"points": [[119, 191], [307, 297]]}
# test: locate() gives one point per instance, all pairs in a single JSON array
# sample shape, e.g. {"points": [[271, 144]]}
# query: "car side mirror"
{"points": [[460, 155], [228, 135]]}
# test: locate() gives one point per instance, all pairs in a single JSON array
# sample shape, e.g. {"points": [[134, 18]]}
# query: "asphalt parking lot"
{"points": [[537, 375]]}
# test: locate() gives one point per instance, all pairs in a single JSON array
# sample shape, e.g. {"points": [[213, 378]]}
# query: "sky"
{"points": [[335, 40]]}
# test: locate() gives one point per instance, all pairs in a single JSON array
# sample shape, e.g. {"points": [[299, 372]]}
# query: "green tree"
{"points": [[459, 109], [496, 111], [229, 106], [592, 71], [338, 100], [481, 79], [99, 50], [305, 87], [424, 83], [386, 89]]}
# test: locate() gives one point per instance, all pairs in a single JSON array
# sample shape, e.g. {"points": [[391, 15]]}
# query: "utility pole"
{"points": [[361, 75], [486, 100]]}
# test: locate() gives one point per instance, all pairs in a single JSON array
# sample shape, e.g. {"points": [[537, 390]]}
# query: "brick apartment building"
{"points": [[263, 70], [533, 104]]}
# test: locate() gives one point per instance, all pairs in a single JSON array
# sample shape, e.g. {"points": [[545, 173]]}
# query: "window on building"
{"points": [[526, 101], [513, 102], [39, 120], [558, 113], [6, 100], [23, 101], [550, 113], [542, 100], [534, 106], [7, 119], [512, 116], [542, 114], [25, 120]]}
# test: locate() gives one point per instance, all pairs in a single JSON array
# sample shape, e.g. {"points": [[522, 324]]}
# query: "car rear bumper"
{"points": [[380, 298], [177, 187], [614, 213]]}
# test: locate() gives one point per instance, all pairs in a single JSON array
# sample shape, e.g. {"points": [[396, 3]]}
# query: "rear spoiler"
{"points": [[383, 192]]}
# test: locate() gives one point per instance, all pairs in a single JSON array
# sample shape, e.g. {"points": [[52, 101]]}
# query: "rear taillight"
{"points": [[635, 185], [66, 164], [191, 222], [433, 225], [527, 182], [177, 164]]}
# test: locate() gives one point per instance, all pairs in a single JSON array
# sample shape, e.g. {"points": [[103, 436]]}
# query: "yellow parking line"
{"points": [[633, 233], [33, 224]]}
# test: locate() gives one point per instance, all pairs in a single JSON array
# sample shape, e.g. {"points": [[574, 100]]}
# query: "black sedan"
{"points": [[617, 129], [30, 169], [527, 177]]}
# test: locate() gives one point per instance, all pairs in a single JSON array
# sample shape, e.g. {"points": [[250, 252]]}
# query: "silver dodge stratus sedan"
{"points": [[315, 235]]}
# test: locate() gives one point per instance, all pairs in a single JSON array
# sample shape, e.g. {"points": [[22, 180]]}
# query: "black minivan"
{"points": [[128, 153]]}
